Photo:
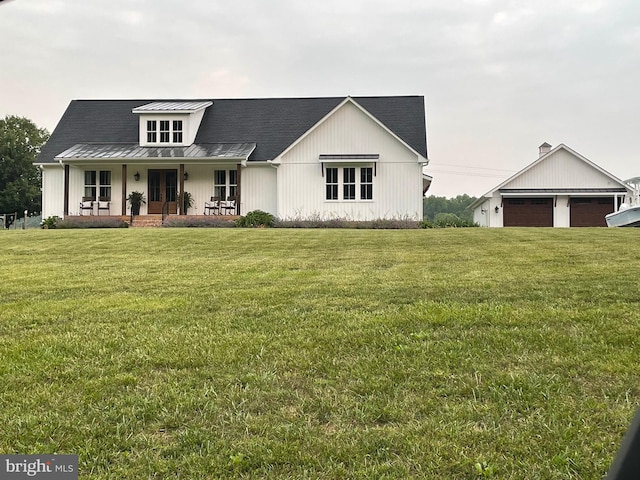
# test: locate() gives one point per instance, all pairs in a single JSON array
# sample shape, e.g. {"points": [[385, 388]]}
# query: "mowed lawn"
{"points": [[272, 353]]}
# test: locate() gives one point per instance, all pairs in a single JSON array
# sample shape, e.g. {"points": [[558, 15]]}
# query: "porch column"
{"points": [[181, 190], [66, 190], [124, 190], [238, 187]]}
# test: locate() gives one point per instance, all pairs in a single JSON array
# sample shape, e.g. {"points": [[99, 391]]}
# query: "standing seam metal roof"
{"points": [[172, 106], [135, 151]]}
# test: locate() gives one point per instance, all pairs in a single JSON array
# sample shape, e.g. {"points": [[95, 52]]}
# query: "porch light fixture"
{"points": [[497, 209], [136, 177], [186, 176]]}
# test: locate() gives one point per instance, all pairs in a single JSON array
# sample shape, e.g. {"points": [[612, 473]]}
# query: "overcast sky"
{"points": [[499, 77]]}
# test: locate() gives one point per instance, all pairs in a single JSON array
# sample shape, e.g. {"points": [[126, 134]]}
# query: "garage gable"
{"points": [[562, 168]]}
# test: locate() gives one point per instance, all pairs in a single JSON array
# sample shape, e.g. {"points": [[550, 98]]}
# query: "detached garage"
{"points": [[560, 189]]}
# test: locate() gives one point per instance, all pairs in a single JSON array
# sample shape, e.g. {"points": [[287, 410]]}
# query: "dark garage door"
{"points": [[528, 212], [590, 212]]}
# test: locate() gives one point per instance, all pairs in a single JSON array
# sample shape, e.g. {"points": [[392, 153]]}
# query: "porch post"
{"points": [[66, 190], [124, 190], [238, 187], [181, 182]]}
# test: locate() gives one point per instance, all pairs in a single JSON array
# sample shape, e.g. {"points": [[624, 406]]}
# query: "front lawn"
{"points": [[252, 353]]}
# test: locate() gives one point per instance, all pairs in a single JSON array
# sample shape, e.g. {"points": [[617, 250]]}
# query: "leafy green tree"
{"points": [[457, 206], [20, 143]]}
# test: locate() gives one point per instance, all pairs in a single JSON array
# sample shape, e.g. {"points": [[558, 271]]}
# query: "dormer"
{"points": [[170, 124]]}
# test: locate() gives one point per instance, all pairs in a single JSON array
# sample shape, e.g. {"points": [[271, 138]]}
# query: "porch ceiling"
{"points": [[133, 151]]}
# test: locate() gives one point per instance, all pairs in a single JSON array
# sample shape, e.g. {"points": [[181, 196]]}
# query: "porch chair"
{"points": [[214, 205], [229, 206], [104, 204], [86, 204]]}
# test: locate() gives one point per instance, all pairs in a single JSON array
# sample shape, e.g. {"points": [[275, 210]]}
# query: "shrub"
{"points": [[175, 221], [50, 222], [379, 224], [426, 224], [256, 218], [92, 223], [451, 220]]}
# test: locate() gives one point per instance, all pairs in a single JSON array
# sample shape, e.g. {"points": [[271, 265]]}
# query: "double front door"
{"points": [[163, 188]]}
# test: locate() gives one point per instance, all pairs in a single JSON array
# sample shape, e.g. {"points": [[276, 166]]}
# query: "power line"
{"points": [[469, 174], [472, 167]]}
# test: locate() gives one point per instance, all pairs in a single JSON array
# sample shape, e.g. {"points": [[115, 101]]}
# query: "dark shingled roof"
{"points": [[272, 123]]}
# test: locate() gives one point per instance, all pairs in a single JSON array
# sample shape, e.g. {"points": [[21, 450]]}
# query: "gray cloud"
{"points": [[499, 76]]}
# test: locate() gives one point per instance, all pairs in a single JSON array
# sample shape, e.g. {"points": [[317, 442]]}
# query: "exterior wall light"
{"points": [[186, 176], [136, 177], [497, 209]]}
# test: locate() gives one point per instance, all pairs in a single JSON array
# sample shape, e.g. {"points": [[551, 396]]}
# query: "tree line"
{"points": [[20, 180], [454, 212]]}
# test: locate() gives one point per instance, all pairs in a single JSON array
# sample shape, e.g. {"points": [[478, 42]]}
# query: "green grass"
{"points": [[248, 353]]}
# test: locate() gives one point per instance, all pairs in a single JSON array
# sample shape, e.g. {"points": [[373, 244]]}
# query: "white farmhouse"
{"points": [[358, 158]]}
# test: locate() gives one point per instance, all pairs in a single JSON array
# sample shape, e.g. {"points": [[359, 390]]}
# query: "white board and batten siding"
{"points": [[397, 182], [259, 188], [52, 185], [562, 169]]}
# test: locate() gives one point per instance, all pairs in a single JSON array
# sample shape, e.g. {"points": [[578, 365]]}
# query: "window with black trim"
{"points": [[332, 183], [165, 131], [177, 131], [97, 182], [366, 183], [349, 183], [225, 183], [352, 180], [105, 185], [90, 184], [152, 126], [233, 183]]}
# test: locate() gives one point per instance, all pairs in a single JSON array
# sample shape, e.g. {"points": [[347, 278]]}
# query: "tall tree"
{"points": [[20, 143]]}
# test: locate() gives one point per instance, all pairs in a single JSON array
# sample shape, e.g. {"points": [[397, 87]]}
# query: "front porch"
{"points": [[101, 190]]}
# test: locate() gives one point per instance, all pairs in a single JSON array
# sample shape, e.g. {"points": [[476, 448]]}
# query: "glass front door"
{"points": [[163, 188]]}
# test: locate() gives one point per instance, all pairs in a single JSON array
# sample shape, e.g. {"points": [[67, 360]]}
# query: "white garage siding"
{"points": [[562, 169]]}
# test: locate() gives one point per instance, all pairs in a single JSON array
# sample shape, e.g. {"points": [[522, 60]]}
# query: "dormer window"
{"points": [[177, 131], [164, 131], [170, 123], [152, 136]]}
